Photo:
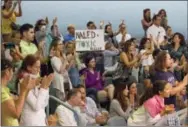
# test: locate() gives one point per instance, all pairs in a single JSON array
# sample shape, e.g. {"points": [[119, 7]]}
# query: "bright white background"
{"points": [[79, 12]]}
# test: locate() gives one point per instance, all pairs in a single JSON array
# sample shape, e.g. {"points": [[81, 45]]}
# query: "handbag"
{"points": [[122, 72]]}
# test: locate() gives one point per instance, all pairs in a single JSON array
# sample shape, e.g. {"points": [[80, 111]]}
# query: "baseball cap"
{"points": [[5, 64]]}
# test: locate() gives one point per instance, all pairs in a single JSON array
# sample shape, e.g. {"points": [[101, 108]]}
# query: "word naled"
{"points": [[86, 35]]}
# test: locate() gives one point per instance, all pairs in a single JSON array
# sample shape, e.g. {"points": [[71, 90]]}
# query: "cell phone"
{"points": [[9, 45]]}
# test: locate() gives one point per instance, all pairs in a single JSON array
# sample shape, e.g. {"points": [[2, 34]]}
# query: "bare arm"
{"points": [[146, 23], [180, 86], [19, 13], [9, 14], [14, 109], [126, 61]]}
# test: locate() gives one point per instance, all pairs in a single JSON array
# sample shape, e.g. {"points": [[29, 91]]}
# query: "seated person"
{"points": [[93, 115]]}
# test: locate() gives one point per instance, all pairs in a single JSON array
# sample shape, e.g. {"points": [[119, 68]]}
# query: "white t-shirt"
{"points": [[119, 37], [156, 32], [148, 61]]}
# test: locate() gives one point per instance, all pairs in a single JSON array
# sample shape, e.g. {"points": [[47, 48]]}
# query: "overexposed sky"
{"points": [[80, 12]]}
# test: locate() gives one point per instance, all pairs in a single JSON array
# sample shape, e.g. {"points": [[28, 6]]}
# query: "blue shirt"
{"points": [[69, 37], [169, 77]]}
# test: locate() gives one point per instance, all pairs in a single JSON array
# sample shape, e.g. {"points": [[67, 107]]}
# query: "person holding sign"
{"points": [[94, 81]]}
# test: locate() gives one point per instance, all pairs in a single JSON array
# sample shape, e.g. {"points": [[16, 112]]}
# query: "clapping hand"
{"points": [[27, 84], [46, 81]]}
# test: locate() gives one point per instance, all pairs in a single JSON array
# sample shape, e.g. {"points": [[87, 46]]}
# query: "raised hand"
{"points": [[102, 23], [15, 4], [46, 20], [55, 21], [46, 81], [122, 21]]}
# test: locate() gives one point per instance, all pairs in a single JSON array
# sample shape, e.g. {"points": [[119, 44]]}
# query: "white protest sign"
{"points": [[89, 40]]}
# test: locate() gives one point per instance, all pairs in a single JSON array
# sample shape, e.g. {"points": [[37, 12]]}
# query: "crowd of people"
{"points": [[132, 82]]}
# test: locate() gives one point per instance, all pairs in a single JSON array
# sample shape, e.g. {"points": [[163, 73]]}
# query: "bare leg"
{"points": [[110, 91]]}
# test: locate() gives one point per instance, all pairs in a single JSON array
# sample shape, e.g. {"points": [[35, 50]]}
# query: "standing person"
{"points": [[110, 36], [164, 21], [147, 47], [157, 31], [41, 30], [33, 113], [91, 25], [11, 108], [60, 66], [55, 30], [146, 21], [9, 18], [73, 70], [177, 48], [17, 62], [123, 36], [70, 37], [162, 64], [26, 45], [169, 33]]}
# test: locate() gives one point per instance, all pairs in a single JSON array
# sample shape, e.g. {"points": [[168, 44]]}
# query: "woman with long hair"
{"points": [[33, 113], [162, 64], [164, 21], [146, 48], [110, 36], [133, 93], [128, 59], [60, 66], [177, 49], [120, 108], [152, 110], [120, 104], [11, 108], [72, 57], [9, 18], [146, 21]]}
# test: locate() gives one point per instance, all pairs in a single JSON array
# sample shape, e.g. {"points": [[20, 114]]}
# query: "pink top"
{"points": [[154, 105]]}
